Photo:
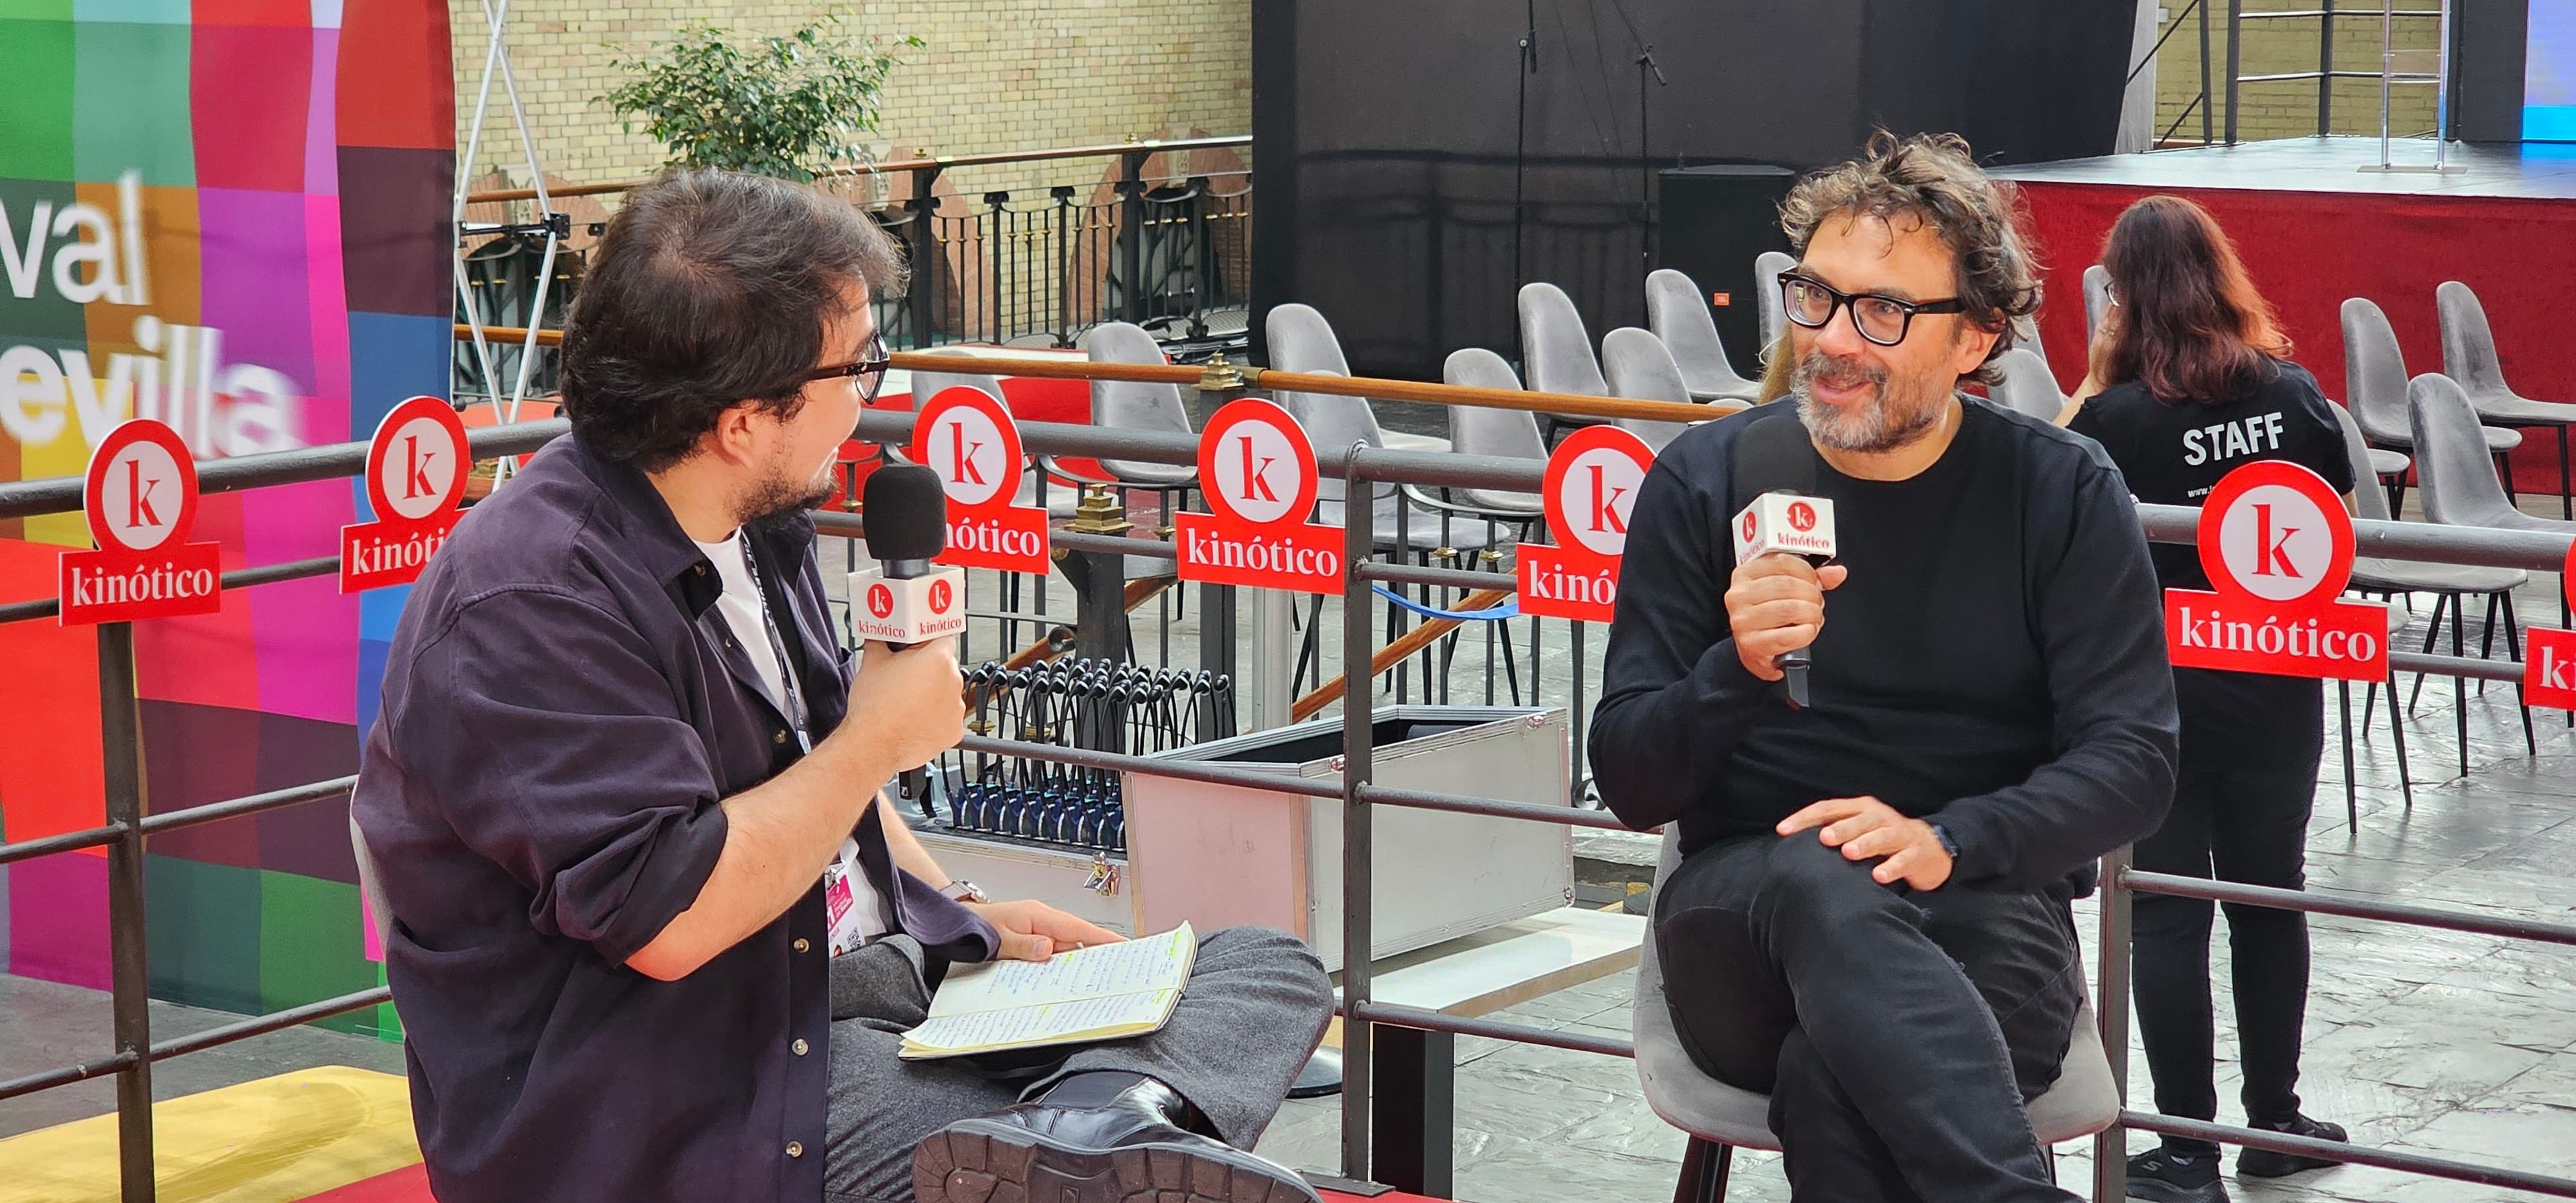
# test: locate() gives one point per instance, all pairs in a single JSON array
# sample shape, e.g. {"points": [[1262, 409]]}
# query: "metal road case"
{"points": [[1221, 855]]}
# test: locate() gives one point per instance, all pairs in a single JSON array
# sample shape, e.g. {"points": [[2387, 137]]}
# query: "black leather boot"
{"points": [[1095, 1138]]}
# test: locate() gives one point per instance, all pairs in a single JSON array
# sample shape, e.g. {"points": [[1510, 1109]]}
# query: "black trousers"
{"points": [[1897, 1033], [2243, 826]]}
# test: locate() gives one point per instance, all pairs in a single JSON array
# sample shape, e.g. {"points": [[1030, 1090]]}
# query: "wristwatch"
{"points": [[962, 890]]}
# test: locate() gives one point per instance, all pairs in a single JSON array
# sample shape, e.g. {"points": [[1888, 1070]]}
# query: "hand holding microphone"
{"points": [[918, 699], [1775, 600]]}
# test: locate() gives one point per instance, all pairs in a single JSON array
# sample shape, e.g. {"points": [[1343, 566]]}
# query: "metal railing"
{"points": [[1359, 467], [2221, 66], [1170, 251]]}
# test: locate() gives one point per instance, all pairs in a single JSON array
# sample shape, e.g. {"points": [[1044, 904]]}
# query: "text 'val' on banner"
{"points": [[2277, 544], [141, 499], [2549, 656], [417, 466], [967, 436], [1592, 483], [1258, 472]]}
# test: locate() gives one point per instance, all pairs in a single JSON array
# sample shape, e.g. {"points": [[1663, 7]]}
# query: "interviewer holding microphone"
{"points": [[622, 797], [2191, 379], [1870, 920]]}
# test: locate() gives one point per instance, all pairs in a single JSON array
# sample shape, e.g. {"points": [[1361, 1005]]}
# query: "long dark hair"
{"points": [[2189, 325]]}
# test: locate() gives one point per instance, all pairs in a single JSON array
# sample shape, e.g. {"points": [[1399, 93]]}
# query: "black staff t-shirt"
{"points": [[2174, 454]]}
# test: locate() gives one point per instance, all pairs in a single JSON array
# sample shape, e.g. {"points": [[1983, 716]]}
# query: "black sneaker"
{"points": [[2263, 1163], [2162, 1175]]}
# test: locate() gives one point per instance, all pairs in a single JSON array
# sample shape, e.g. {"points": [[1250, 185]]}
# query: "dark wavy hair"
{"points": [[2189, 325], [708, 289], [1933, 179]]}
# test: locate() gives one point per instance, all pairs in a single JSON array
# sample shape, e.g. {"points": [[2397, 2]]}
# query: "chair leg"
{"points": [[2397, 730], [2351, 792], [2504, 473], [2460, 685], [2513, 649], [2486, 638], [1704, 1166], [2432, 632]]}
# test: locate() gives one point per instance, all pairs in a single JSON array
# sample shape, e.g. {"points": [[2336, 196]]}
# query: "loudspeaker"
{"points": [[1715, 221]]}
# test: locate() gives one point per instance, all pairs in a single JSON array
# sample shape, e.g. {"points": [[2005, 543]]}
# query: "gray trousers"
{"points": [[1256, 1004]]}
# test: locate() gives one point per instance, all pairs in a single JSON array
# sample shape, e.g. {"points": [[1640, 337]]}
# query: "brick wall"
{"points": [[996, 75], [2288, 108]]}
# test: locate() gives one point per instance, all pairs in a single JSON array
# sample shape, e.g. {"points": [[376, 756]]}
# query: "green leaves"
{"points": [[787, 106]]}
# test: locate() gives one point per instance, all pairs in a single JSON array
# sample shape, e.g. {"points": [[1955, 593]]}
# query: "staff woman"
{"points": [[2191, 379]]}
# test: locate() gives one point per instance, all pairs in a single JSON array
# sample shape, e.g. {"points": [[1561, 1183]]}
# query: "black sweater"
{"points": [[1996, 659]]}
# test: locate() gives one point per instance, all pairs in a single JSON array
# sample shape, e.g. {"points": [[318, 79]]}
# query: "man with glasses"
{"points": [[1870, 920], [656, 933]]}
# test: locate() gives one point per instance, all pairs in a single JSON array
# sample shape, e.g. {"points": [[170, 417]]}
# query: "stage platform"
{"points": [[2533, 170], [2315, 229]]}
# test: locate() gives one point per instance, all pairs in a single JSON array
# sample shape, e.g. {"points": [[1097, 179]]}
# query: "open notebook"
{"points": [[1105, 993]]}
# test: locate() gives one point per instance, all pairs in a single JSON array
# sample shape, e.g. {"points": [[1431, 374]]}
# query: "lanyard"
{"points": [[778, 648]]}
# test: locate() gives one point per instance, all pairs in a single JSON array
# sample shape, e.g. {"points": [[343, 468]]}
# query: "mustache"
{"points": [[1817, 366]]}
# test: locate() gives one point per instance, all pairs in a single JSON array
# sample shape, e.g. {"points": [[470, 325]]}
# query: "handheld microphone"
{"points": [[1800, 525], [906, 600]]}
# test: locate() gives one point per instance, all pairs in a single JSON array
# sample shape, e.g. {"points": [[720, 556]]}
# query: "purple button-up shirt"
{"points": [[564, 709]]}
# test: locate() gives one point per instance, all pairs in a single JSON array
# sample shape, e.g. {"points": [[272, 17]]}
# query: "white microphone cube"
{"points": [[1794, 523], [907, 610]]}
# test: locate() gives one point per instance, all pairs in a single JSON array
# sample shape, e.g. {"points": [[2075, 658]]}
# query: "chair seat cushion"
{"points": [[2409, 577], [2388, 463], [2522, 411]]}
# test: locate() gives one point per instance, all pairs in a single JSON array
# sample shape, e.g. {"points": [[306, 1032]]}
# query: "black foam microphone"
{"points": [[906, 512]]}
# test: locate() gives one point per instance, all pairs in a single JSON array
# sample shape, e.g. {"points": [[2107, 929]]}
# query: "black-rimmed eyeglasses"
{"points": [[1880, 319], [869, 369]]}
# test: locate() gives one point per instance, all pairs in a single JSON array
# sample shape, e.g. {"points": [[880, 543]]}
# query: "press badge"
{"points": [[840, 900]]}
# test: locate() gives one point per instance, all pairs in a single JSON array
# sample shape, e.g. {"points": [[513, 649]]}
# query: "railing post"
{"points": [[2325, 68], [925, 253], [1131, 231], [1358, 852], [2208, 107], [1200, 275], [2235, 43], [129, 978], [2111, 1006]]}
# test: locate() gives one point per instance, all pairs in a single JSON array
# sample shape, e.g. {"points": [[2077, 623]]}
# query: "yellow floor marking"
{"points": [[271, 1141]]}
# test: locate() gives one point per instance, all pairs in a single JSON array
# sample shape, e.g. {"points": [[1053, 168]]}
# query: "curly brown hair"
{"points": [[2190, 325], [1933, 179]]}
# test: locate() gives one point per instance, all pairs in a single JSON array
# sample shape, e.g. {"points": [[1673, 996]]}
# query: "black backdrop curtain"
{"points": [[1385, 133]]}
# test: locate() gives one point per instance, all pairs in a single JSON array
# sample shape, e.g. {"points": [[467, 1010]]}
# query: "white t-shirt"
{"points": [[858, 912]]}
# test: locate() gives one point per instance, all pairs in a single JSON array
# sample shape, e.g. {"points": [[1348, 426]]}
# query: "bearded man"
{"points": [[1870, 922]]}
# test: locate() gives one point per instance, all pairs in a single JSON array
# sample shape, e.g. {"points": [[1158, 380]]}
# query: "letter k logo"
{"points": [[2269, 549]]}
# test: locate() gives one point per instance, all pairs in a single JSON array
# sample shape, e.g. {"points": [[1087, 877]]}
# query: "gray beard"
{"points": [[1897, 415]]}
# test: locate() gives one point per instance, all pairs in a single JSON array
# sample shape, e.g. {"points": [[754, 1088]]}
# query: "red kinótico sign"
{"points": [[968, 437], [417, 466], [140, 498], [2277, 544], [1591, 485], [2549, 656], [1258, 472]]}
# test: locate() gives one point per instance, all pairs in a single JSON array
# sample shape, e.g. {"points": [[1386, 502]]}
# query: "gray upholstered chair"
{"points": [[2028, 386], [1640, 369], [1130, 405], [1678, 314], [2469, 357], [2459, 487], [926, 385], [1300, 340], [2097, 300], [1556, 349], [2374, 372], [1767, 267], [1720, 1118], [2393, 580], [1504, 433]]}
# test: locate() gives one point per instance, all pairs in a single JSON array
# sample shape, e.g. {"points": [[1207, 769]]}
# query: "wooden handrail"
{"points": [[1271, 379], [1149, 146]]}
